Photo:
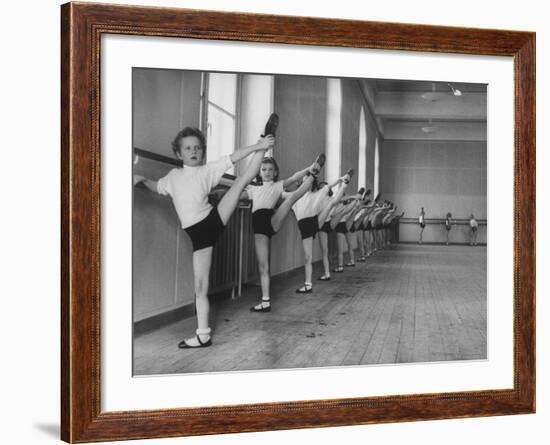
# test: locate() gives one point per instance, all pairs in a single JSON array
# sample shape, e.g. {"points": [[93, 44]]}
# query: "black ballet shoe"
{"points": [[183, 345], [321, 159], [271, 125], [261, 309], [339, 269], [304, 289], [324, 278]]}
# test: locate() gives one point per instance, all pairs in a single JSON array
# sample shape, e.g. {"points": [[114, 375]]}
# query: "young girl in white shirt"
{"points": [[189, 187], [311, 211], [267, 220], [329, 217], [351, 205]]}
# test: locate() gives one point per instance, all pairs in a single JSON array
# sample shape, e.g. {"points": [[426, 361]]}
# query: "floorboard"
{"points": [[405, 304]]}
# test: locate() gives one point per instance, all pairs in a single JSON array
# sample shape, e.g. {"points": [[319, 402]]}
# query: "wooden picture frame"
{"points": [[82, 26]]}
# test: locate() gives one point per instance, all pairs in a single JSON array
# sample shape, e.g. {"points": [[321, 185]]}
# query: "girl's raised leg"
{"points": [[230, 199], [284, 209]]}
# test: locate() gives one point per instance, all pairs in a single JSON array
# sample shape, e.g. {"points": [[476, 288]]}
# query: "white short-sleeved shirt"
{"points": [[309, 204], [265, 196], [324, 201], [189, 188], [473, 223]]}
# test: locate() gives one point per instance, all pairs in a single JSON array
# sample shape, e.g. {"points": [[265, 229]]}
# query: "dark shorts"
{"points": [[422, 225], [447, 227], [341, 228], [352, 228], [205, 233], [308, 227], [261, 222], [474, 229], [361, 227], [369, 226], [326, 227]]}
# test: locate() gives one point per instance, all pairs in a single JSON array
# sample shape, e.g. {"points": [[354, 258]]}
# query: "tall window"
{"points": [[221, 114], [362, 165], [256, 104], [376, 167], [333, 128]]}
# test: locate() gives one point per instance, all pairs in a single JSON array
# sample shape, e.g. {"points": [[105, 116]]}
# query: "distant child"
{"points": [[189, 187], [448, 226], [473, 228], [422, 224]]}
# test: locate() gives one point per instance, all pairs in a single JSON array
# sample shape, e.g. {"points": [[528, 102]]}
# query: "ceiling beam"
{"points": [[431, 105], [436, 131]]}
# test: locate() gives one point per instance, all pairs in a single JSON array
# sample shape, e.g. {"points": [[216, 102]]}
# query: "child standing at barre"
{"points": [[189, 187]]}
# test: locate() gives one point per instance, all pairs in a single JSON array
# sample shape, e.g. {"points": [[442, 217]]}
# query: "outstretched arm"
{"points": [[295, 177], [335, 183], [262, 144], [149, 183]]}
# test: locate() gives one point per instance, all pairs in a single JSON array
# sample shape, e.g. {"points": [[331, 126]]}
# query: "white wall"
{"points": [[30, 227]]}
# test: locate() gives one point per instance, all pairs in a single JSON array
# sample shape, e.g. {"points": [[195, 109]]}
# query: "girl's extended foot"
{"points": [[324, 278], [264, 306], [318, 164], [305, 289], [201, 340]]}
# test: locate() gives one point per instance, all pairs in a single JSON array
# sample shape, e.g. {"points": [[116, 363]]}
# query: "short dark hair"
{"points": [[273, 162], [188, 131]]}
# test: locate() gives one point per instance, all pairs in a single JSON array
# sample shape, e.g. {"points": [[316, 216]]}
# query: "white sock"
{"points": [[204, 334]]}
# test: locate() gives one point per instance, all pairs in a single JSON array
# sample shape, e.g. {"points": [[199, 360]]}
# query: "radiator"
{"points": [[233, 259]]}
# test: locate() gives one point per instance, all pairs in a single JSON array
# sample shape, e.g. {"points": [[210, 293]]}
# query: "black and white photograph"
{"points": [[286, 221]]}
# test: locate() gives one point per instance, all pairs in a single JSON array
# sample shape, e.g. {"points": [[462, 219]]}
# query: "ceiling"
{"points": [[423, 110]]}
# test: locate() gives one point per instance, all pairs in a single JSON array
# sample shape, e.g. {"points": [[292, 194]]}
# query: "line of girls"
{"points": [[323, 208], [189, 187]]}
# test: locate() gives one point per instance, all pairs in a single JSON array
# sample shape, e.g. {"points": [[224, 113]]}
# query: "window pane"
{"points": [[220, 134], [334, 139], [376, 168], [222, 90]]}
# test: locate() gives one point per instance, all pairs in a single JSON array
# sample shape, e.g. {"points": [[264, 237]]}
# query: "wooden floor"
{"points": [[408, 303]]}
